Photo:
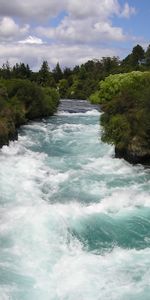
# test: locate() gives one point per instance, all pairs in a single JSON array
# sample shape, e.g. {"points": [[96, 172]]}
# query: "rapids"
{"points": [[74, 221]]}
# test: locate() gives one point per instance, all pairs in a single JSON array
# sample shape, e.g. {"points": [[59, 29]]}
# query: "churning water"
{"points": [[74, 221]]}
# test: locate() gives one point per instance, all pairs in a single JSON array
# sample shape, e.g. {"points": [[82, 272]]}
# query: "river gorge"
{"points": [[75, 220]]}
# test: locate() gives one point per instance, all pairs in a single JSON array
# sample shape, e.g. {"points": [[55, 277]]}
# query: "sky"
{"points": [[71, 32]]}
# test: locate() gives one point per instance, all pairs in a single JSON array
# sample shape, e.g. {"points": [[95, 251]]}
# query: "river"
{"points": [[74, 221]]}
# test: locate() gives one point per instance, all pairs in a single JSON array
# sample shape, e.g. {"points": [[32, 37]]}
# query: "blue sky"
{"points": [[139, 24], [71, 31]]}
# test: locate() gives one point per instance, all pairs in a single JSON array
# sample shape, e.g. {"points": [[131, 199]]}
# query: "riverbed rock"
{"points": [[136, 152]]}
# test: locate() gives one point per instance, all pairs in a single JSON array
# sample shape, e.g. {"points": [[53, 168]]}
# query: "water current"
{"points": [[74, 220]]}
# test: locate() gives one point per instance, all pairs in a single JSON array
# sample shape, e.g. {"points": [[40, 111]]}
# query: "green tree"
{"points": [[147, 56], [21, 71], [6, 70], [57, 73], [138, 54], [109, 64], [113, 85], [63, 88], [44, 76]]}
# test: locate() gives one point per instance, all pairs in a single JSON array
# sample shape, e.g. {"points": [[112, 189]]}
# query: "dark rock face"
{"points": [[3, 141], [136, 152], [14, 135], [133, 158], [6, 138]]}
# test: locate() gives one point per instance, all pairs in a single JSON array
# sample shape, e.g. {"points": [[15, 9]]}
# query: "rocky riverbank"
{"points": [[125, 101], [133, 157]]}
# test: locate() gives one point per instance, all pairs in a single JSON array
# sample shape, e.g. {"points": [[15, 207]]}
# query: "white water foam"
{"points": [[93, 112], [40, 257]]}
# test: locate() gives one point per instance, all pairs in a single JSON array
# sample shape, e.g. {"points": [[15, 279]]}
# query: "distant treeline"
{"points": [[81, 81]]}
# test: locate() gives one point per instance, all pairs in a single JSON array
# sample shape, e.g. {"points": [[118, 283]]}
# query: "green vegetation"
{"points": [[125, 101], [120, 86], [81, 81], [22, 100]]}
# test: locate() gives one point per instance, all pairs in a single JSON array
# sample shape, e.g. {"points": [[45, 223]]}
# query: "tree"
{"points": [[63, 87], [44, 74], [6, 70], [113, 85], [57, 73], [109, 64], [147, 56], [21, 71], [67, 73], [138, 54], [82, 73]]}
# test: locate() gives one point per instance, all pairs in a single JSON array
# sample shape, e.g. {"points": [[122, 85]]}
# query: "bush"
{"points": [[22, 100], [125, 100]]}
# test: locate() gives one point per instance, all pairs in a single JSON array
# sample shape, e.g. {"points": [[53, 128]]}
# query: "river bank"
{"points": [[20, 102], [124, 99], [68, 207]]}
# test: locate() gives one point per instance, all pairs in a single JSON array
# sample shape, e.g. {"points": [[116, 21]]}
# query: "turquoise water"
{"points": [[74, 221]]}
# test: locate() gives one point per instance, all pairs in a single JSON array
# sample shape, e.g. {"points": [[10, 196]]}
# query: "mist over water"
{"points": [[74, 221]]}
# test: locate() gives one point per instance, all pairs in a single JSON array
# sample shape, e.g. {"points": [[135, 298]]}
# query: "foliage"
{"points": [[113, 85], [137, 55], [81, 81], [63, 87], [125, 100], [44, 77], [21, 71], [116, 128], [22, 100], [57, 73], [122, 87]]}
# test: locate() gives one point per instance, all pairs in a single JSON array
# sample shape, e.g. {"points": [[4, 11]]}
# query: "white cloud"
{"points": [[31, 40], [89, 22], [8, 27], [79, 36], [83, 31], [106, 31], [66, 55], [103, 8], [31, 9], [85, 22], [10, 30], [50, 8], [128, 11]]}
